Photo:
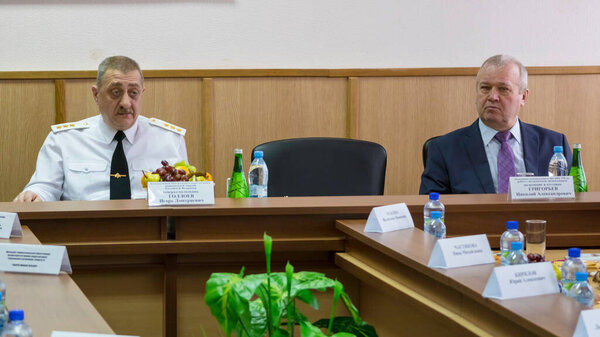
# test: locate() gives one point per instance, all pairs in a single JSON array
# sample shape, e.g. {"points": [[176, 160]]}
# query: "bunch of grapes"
{"points": [[169, 173]]}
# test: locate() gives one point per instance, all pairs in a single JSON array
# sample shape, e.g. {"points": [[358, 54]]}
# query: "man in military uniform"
{"points": [[103, 157]]}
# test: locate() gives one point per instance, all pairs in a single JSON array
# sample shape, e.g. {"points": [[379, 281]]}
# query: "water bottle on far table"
{"points": [[433, 204], [511, 234], [238, 188], [571, 266], [581, 290], [3, 292], [258, 176], [579, 181], [558, 163], [516, 254], [436, 226], [3, 314], [16, 327]]}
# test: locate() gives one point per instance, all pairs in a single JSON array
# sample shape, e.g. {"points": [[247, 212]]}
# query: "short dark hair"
{"points": [[501, 61], [123, 64]]}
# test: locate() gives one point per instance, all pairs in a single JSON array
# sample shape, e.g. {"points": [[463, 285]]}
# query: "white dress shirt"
{"points": [[492, 147], [74, 164]]}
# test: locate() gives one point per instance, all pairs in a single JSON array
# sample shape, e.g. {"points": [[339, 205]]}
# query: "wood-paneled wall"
{"points": [[225, 109]]}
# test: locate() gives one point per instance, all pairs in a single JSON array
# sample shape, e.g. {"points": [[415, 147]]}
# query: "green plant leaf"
{"points": [[351, 308], [268, 247], [275, 297], [289, 275], [228, 301], [309, 298], [309, 330], [346, 324], [306, 280], [338, 288]]}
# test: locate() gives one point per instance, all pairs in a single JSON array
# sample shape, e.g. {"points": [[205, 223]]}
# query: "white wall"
{"points": [[199, 34]]}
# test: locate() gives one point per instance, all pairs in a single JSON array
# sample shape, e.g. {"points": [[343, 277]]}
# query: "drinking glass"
{"points": [[535, 240]]}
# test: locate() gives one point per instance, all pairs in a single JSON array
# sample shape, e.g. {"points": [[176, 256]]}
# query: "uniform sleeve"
{"points": [[48, 178]]}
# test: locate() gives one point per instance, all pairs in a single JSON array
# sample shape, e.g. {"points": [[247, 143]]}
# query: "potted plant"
{"points": [[265, 304]]}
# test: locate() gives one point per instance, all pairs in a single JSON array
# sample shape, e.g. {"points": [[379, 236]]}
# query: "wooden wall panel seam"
{"points": [[208, 125], [357, 72], [352, 108], [60, 102]]}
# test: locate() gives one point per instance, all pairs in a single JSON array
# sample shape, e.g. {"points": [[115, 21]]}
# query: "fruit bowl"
{"points": [[180, 171]]}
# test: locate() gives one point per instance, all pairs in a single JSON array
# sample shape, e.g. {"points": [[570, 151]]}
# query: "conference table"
{"points": [[144, 268]]}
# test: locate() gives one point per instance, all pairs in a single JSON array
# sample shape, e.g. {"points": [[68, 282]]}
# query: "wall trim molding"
{"points": [[216, 73]]}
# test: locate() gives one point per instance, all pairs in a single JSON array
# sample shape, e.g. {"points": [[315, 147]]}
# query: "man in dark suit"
{"points": [[481, 157]]}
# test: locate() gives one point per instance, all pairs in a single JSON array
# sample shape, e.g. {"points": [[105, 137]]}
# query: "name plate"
{"points": [[10, 225], [461, 252], [530, 188], [521, 280], [83, 334], [588, 324], [166, 193], [36, 259], [389, 218]]}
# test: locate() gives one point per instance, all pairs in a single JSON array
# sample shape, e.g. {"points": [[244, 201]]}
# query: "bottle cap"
{"points": [[238, 151], [434, 196], [580, 276], [516, 245], [577, 146], [558, 149], [16, 315], [512, 224], [574, 252], [436, 214], [258, 154]]}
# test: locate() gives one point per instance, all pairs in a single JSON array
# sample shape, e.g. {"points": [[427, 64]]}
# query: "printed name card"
{"points": [[521, 280], [588, 324], [461, 252], [83, 334], [36, 259], [10, 225], [529, 188], [181, 193], [389, 218]]}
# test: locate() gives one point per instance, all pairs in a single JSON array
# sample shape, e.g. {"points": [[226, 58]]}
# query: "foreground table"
{"points": [[397, 286], [50, 302], [145, 268]]}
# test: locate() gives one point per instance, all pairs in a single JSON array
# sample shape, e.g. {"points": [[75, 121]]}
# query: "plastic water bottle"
{"points": [[571, 266], [516, 254], [558, 163], [3, 292], [3, 314], [436, 226], [433, 204], [258, 176], [581, 290], [16, 327], [510, 235]]}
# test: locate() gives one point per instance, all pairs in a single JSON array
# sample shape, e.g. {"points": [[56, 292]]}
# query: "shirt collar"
{"points": [[108, 133], [487, 133]]}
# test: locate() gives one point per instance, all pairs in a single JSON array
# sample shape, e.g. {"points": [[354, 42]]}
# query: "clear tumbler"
{"points": [[535, 240]]}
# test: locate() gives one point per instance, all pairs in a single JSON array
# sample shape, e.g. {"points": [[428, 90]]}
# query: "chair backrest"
{"points": [[324, 167], [425, 149]]}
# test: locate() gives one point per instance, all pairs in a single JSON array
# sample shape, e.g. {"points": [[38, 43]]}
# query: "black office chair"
{"points": [[425, 149], [324, 167]]}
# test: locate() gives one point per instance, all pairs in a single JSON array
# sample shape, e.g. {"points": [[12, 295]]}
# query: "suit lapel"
{"points": [[530, 148], [475, 149]]}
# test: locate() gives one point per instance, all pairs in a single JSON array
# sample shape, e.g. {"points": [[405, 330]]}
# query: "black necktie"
{"points": [[119, 172]]}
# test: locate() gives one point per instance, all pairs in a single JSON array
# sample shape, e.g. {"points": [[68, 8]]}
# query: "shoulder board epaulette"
{"points": [[167, 126], [69, 126]]}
